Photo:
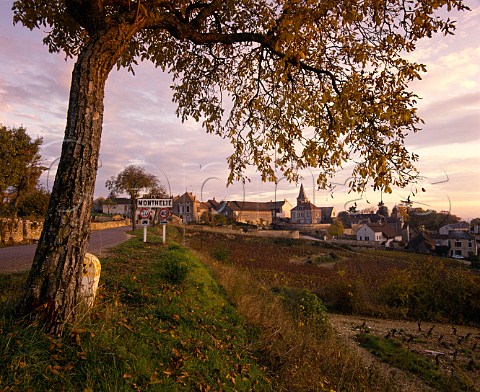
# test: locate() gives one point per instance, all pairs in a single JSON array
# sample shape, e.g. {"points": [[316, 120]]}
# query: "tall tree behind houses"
{"points": [[133, 180], [20, 167]]}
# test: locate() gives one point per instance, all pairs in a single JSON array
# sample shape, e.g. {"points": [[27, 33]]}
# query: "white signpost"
{"points": [[146, 204], [144, 215], [164, 214]]}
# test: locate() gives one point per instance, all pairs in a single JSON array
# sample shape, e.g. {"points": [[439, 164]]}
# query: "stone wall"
{"points": [[18, 231], [305, 228], [94, 226], [365, 244], [277, 233], [249, 232]]}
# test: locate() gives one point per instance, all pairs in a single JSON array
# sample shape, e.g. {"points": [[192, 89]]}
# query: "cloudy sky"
{"points": [[140, 126]]}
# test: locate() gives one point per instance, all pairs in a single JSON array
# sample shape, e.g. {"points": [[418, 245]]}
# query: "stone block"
{"points": [[90, 278]]}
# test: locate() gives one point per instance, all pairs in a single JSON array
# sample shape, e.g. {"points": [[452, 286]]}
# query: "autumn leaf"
{"points": [[82, 355], [77, 331], [54, 369]]}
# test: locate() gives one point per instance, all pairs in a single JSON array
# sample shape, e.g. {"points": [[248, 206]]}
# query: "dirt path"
{"points": [[454, 348]]}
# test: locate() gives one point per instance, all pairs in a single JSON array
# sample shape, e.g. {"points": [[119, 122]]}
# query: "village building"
{"points": [[460, 226], [383, 233], [422, 243], [307, 213], [187, 207], [475, 229], [462, 244], [117, 206], [358, 218], [280, 210], [253, 213], [456, 244]]}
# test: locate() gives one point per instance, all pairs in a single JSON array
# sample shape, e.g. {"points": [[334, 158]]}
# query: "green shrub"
{"points": [[397, 293], [173, 246], [220, 253], [322, 258], [304, 306], [340, 295], [312, 307], [429, 290], [173, 268]]}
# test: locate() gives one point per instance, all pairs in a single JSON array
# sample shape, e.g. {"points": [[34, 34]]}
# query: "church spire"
{"points": [[302, 197]]}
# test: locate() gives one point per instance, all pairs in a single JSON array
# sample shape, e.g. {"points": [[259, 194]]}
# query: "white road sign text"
{"points": [[154, 203]]}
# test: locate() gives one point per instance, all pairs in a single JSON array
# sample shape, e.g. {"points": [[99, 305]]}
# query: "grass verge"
{"points": [[293, 337], [160, 323], [393, 353]]}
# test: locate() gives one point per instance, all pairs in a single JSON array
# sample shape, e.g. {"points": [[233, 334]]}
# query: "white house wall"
{"points": [[365, 233]]}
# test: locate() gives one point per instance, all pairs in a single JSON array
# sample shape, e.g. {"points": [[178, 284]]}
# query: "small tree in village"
{"points": [[382, 210], [336, 228], [34, 203], [133, 180], [291, 83]]}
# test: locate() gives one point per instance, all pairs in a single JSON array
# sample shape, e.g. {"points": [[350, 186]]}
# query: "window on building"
{"points": [[188, 209], [458, 244], [367, 238]]}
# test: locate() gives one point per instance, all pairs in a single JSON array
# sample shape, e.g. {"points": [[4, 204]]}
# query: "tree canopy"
{"points": [[133, 180], [291, 83], [429, 219], [336, 229], [34, 204], [20, 166]]}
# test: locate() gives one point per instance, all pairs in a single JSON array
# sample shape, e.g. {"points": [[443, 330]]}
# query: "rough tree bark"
{"points": [[52, 287]]}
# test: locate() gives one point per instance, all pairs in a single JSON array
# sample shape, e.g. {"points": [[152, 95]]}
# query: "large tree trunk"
{"points": [[52, 288]]}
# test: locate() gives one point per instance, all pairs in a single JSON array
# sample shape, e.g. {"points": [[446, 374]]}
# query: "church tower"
{"points": [[302, 197]]}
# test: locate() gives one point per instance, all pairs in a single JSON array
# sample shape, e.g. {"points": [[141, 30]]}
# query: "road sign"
{"points": [[155, 203], [164, 214], [145, 222], [144, 213]]}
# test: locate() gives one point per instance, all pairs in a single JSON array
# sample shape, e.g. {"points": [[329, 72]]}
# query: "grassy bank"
{"points": [[224, 314], [161, 323], [265, 276]]}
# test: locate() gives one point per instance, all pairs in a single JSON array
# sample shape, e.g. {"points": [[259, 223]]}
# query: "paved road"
{"points": [[19, 258]]}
